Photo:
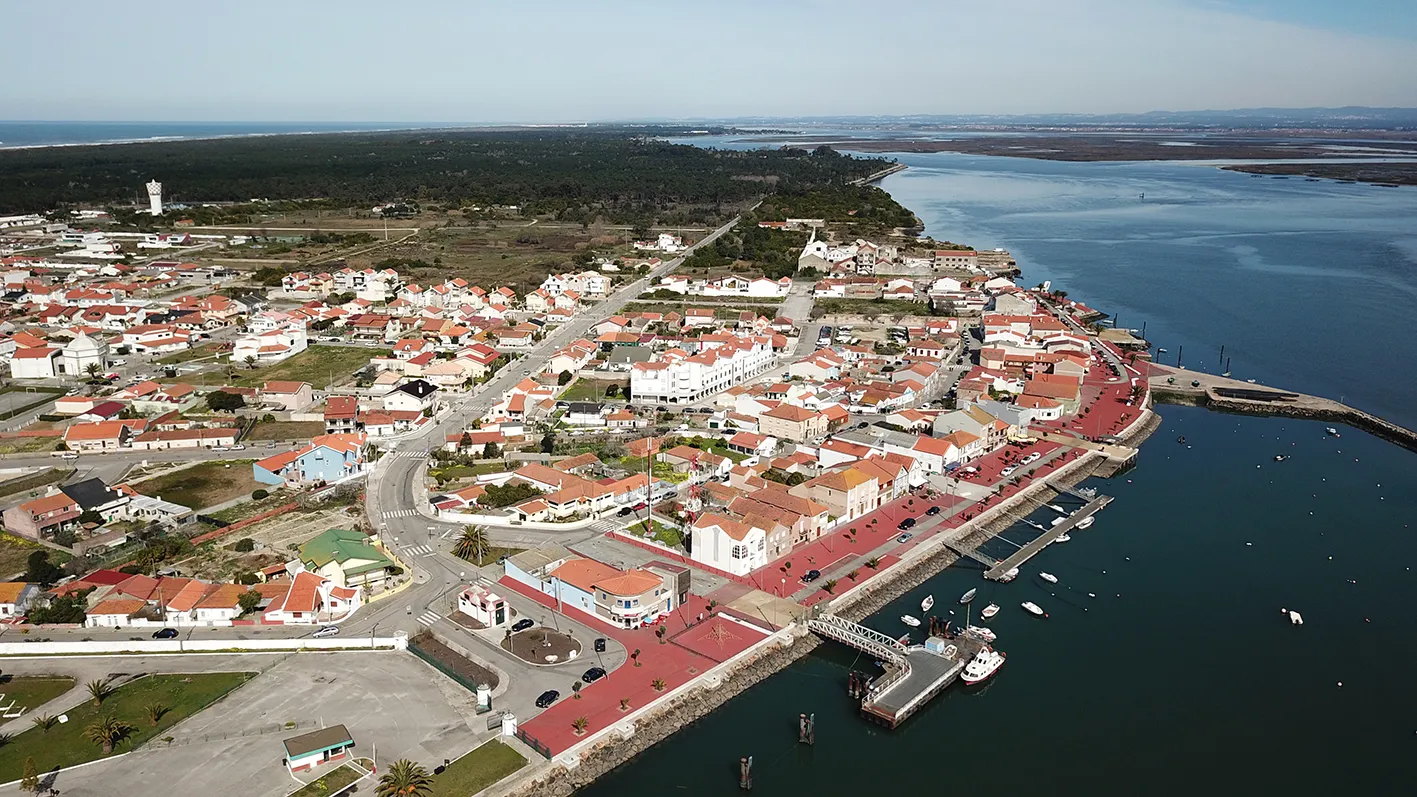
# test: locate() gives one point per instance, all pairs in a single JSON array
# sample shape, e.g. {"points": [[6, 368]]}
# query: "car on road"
{"points": [[547, 698], [326, 631], [522, 625], [906, 537], [238, 447], [1007, 472], [221, 448], [600, 645], [864, 425], [934, 510], [68, 455], [592, 675], [641, 506], [165, 633], [624, 511], [811, 575], [908, 523]]}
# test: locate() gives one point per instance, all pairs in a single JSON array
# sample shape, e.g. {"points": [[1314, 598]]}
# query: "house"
{"points": [[101, 436], [847, 493], [483, 605], [114, 612], [584, 413], [676, 376], [272, 346], [212, 437], [291, 396], [752, 444], [37, 363], [82, 352], [93, 495], [341, 415], [327, 458], [348, 558], [733, 546], [15, 598], [790, 422], [415, 396], [309, 750], [312, 599]]}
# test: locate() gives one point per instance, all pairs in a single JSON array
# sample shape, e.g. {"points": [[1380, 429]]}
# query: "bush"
{"points": [[258, 494], [565, 378], [244, 545], [247, 579], [221, 401]]}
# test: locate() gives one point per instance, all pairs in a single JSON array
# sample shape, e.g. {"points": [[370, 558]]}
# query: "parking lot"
{"points": [[391, 701]]}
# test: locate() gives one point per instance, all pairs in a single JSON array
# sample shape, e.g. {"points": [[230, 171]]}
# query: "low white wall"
{"points": [[180, 645]]}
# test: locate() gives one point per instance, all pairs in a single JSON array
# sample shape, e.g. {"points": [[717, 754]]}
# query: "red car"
{"points": [[640, 506]]}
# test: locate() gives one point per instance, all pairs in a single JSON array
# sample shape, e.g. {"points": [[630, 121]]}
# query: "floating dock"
{"points": [[1017, 558], [913, 673]]}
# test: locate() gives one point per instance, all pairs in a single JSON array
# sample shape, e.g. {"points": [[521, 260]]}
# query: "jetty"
{"points": [[1017, 558], [913, 673]]}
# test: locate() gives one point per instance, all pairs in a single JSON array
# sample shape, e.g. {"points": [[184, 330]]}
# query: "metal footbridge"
{"points": [[866, 640]]}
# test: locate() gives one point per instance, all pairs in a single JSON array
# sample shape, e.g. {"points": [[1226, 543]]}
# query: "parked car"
{"points": [[547, 698], [592, 675], [1009, 471], [600, 645], [238, 447], [934, 510], [811, 575], [165, 633], [624, 511], [326, 631], [907, 523], [522, 625], [906, 537], [640, 506]]}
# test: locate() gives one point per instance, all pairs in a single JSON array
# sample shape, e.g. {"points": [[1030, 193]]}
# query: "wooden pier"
{"points": [[1017, 558]]}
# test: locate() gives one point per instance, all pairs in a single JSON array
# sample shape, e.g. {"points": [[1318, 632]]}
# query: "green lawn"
{"points": [[592, 390], [29, 445], [659, 532], [870, 308], [187, 355], [31, 692], [15, 553], [64, 745], [317, 365], [477, 770], [203, 485], [329, 783], [286, 430]]}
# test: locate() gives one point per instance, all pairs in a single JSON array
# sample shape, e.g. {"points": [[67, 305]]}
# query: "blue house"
{"points": [[328, 458]]}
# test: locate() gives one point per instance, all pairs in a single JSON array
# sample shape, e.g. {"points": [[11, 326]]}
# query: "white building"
{"points": [[368, 284], [155, 198], [677, 377], [83, 351], [730, 545], [278, 344]]}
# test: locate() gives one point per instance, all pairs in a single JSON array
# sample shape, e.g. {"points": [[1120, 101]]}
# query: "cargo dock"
{"points": [[913, 673]]}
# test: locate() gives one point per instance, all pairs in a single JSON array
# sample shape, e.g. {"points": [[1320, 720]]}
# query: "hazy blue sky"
{"points": [[530, 61]]}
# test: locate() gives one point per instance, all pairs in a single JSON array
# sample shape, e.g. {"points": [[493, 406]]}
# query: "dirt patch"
{"points": [[539, 645], [454, 661]]}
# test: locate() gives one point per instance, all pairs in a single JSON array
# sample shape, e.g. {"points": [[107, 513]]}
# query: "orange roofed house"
{"points": [[625, 598]]}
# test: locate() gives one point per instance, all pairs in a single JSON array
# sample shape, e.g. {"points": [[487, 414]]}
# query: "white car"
{"points": [[238, 447], [1006, 472], [326, 631]]}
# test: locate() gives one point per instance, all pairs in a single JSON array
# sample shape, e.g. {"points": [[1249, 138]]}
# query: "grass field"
{"points": [[477, 770], [34, 480], [593, 390], [659, 532], [14, 551], [64, 745], [329, 783], [31, 692], [871, 308], [187, 355], [721, 312], [286, 430], [29, 445], [203, 485], [316, 365]]}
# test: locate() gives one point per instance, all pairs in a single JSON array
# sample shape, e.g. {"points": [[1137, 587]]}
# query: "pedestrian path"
{"points": [[419, 550], [604, 526], [407, 454], [429, 617], [392, 513]]}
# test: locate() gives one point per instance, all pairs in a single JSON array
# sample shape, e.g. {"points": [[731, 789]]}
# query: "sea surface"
{"points": [[1181, 675], [52, 134]]}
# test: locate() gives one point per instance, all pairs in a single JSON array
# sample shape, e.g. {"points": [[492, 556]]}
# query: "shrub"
{"points": [[244, 545], [259, 494]]}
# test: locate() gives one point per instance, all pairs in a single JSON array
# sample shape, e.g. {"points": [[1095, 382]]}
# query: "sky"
{"points": [[530, 61]]}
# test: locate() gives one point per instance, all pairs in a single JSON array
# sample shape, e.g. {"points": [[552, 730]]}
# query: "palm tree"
{"points": [[472, 543], [154, 712], [99, 689], [250, 362], [93, 370], [658, 684], [44, 722], [405, 779], [107, 731]]}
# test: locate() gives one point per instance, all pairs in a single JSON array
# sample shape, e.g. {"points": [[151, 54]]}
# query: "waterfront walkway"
{"points": [[1017, 558]]}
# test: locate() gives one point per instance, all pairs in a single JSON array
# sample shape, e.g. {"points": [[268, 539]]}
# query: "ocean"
{"points": [[53, 134], [1182, 673]]}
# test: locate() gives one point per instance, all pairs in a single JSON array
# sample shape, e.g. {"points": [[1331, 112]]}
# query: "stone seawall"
{"points": [[1311, 409]]}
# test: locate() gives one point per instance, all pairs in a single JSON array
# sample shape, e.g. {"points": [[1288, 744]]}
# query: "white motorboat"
{"points": [[1279, 457], [1086, 522], [927, 603], [1034, 609], [984, 664], [1332, 432], [981, 632], [968, 596], [1062, 538], [1010, 575], [910, 621], [1296, 618], [1049, 577], [1058, 520], [989, 611]]}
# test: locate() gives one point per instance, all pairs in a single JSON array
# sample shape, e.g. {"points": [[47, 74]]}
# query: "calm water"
{"points": [[48, 134], [1181, 674]]}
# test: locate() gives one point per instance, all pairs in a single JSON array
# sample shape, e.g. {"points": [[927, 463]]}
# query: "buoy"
{"points": [[1340, 683]]}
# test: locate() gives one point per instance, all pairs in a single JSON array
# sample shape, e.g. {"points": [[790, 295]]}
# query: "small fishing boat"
{"points": [[910, 621], [1086, 522], [1033, 609], [1010, 575], [927, 603], [1062, 538], [1049, 577], [968, 596], [1295, 617], [1160, 351], [989, 611], [981, 632], [983, 665], [1181, 439], [1279, 457], [1332, 432], [1057, 520]]}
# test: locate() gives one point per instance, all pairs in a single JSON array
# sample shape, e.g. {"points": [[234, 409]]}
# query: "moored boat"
{"points": [[1009, 575], [1332, 432], [1049, 577], [989, 611], [1086, 522], [984, 664], [1033, 609], [910, 621], [927, 603], [980, 632], [1062, 538], [968, 596]]}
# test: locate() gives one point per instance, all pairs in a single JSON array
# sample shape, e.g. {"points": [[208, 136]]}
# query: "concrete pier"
{"points": [[1017, 558]]}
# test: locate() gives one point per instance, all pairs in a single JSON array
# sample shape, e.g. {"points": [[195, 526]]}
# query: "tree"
{"points": [[404, 779], [93, 370], [612, 390], [658, 685], [250, 362], [465, 442], [491, 451], [548, 442], [260, 494], [42, 571], [107, 731], [579, 724], [565, 378], [635, 657], [154, 712], [222, 401], [248, 601], [30, 780], [62, 609], [99, 690], [472, 545], [244, 545], [44, 722]]}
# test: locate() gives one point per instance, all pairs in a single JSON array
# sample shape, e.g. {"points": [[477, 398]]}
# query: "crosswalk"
{"points": [[393, 513], [407, 454], [429, 617], [603, 526], [419, 550]]}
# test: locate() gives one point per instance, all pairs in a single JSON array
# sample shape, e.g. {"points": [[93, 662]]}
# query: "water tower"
{"points": [[155, 197]]}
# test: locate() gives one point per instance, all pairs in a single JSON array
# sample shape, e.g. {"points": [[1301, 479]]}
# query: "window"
{"points": [[740, 552]]}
